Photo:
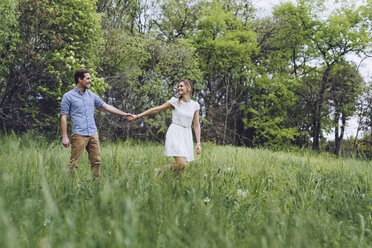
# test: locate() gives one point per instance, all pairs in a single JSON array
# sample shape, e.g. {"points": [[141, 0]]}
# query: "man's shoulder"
{"points": [[94, 95], [69, 92], [91, 93], [68, 96]]}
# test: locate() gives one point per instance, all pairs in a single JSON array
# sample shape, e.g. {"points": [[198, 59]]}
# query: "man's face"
{"points": [[85, 83]]}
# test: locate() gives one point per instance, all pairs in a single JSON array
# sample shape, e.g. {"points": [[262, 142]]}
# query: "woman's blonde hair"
{"points": [[189, 85]]}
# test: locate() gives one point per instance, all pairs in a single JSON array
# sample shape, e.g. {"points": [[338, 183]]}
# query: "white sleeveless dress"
{"points": [[178, 140]]}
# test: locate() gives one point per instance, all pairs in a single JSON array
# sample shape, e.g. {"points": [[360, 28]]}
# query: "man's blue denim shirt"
{"points": [[81, 109]]}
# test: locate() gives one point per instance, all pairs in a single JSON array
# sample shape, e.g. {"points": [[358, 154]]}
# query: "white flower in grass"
{"points": [[206, 200], [242, 193], [228, 169], [205, 175], [362, 195], [46, 222]]}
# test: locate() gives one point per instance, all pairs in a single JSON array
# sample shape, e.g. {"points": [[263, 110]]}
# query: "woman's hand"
{"points": [[132, 117], [198, 149]]}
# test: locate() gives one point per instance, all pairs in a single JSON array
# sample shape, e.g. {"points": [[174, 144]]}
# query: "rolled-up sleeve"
{"points": [[65, 105], [97, 101]]}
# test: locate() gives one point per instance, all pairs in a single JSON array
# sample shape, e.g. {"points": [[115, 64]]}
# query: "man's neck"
{"points": [[79, 87]]}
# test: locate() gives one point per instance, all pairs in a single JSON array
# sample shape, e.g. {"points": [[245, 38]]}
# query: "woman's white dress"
{"points": [[178, 140]]}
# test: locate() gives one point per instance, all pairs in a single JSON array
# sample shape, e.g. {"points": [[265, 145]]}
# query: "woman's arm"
{"points": [[152, 111], [197, 132]]}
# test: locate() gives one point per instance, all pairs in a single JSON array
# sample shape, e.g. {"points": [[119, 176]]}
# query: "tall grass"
{"points": [[227, 197]]}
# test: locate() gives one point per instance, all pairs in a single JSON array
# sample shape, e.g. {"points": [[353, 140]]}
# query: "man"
{"points": [[79, 104]]}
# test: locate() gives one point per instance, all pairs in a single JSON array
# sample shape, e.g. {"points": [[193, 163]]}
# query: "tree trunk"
{"points": [[226, 115], [319, 109], [337, 138], [356, 135], [235, 130], [343, 125]]}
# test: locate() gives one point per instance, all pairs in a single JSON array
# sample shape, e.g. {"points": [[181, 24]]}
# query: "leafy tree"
{"points": [[224, 46], [364, 112], [272, 116], [55, 38], [345, 86], [141, 66], [9, 35], [130, 16], [176, 19], [327, 41]]}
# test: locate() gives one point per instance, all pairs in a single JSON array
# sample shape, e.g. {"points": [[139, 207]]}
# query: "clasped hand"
{"points": [[131, 117]]}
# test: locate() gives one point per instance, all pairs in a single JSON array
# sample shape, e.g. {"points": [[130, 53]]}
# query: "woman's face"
{"points": [[182, 89]]}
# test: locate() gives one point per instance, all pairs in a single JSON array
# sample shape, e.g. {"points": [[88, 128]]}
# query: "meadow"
{"points": [[227, 197]]}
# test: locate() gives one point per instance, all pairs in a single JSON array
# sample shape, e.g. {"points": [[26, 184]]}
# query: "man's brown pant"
{"points": [[91, 143]]}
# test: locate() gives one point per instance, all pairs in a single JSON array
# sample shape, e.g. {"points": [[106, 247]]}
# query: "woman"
{"points": [[178, 140]]}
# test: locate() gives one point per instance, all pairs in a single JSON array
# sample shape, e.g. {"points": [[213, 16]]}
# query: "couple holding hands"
{"points": [[79, 104]]}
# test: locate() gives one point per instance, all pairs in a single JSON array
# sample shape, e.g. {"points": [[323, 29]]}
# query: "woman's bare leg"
{"points": [[180, 163], [178, 166]]}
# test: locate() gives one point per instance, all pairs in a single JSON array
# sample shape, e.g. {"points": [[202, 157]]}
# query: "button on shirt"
{"points": [[80, 106]]}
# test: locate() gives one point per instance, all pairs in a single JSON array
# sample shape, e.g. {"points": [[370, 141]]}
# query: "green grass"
{"points": [[228, 197]]}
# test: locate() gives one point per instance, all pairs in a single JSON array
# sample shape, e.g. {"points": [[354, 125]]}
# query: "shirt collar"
{"points": [[77, 90]]}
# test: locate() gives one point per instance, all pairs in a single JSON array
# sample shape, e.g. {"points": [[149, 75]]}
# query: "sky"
{"points": [[264, 8]]}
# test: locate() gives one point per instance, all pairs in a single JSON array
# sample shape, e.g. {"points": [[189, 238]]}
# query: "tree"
{"points": [[364, 112], [274, 114], [345, 86], [224, 45], [9, 35], [176, 19], [54, 40], [327, 42], [131, 16]]}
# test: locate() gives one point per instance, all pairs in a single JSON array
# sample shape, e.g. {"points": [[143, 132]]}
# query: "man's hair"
{"points": [[80, 74]]}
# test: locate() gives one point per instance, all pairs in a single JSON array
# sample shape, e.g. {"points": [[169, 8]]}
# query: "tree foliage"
{"points": [[54, 39], [324, 43], [274, 81]]}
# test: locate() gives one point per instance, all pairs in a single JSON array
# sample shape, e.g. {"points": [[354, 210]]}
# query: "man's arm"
{"points": [[114, 110], [65, 139]]}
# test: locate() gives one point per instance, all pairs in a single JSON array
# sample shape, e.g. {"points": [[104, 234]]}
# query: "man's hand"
{"points": [[65, 141], [132, 117], [127, 116]]}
